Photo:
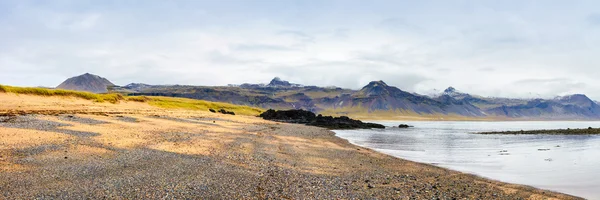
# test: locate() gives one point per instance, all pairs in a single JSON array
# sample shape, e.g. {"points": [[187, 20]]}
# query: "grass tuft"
{"points": [[141, 99], [112, 98]]}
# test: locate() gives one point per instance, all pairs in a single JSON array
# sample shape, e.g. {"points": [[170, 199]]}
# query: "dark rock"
{"points": [[212, 110], [309, 118], [404, 126], [289, 116], [223, 111]]}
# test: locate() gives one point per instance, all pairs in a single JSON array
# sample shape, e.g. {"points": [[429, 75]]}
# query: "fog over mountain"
{"points": [[525, 49]]}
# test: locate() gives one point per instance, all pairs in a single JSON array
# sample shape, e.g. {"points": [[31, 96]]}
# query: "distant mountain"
{"points": [[549, 109], [277, 82], [377, 97], [137, 86], [576, 100], [452, 92], [86, 82], [576, 106]]}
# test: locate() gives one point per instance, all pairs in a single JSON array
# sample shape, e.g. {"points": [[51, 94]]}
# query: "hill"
{"points": [[86, 82]]}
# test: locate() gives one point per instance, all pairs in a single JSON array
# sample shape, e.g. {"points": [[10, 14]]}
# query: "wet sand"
{"points": [[174, 154]]}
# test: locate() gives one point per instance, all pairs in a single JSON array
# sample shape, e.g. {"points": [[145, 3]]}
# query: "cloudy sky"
{"points": [[492, 48]]}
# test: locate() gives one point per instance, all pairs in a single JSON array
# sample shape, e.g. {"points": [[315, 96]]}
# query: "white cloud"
{"points": [[485, 48]]}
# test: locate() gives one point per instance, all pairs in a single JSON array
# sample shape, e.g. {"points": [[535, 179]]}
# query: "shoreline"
{"points": [[144, 152], [256, 158]]}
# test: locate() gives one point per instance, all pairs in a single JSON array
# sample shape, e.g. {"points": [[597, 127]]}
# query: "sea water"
{"points": [[564, 163]]}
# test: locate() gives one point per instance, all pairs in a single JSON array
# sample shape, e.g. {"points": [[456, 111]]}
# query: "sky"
{"points": [[506, 48]]}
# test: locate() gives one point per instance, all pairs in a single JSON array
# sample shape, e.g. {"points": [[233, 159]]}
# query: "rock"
{"points": [[212, 110], [223, 111], [289, 116], [309, 118], [404, 126]]}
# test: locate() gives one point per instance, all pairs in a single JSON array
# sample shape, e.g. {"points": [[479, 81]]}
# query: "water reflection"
{"points": [[556, 162]]}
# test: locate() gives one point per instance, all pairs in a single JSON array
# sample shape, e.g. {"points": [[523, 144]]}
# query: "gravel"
{"points": [[31, 122], [126, 119], [81, 120]]}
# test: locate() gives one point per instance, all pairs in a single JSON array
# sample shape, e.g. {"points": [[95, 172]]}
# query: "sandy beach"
{"points": [[66, 148]]}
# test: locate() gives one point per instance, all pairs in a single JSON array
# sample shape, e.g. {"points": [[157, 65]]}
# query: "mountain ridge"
{"points": [[376, 97]]}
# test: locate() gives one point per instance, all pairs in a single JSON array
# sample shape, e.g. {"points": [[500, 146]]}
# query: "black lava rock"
{"points": [[404, 126], [309, 118], [223, 111]]}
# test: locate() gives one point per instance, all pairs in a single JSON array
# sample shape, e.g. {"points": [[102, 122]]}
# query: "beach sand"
{"points": [[65, 148]]}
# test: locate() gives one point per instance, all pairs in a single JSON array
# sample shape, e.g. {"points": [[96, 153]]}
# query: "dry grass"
{"points": [[160, 102], [113, 98], [193, 104]]}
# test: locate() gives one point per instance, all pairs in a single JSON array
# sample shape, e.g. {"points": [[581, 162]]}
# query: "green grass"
{"points": [[193, 104], [113, 98]]}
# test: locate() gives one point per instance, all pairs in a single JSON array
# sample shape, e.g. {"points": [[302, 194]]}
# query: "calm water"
{"points": [[571, 165]]}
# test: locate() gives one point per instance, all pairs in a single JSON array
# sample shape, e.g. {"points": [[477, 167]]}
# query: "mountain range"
{"points": [[375, 98]]}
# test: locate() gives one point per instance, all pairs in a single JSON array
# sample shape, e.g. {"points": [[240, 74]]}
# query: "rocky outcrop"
{"points": [[309, 118], [289, 116]]}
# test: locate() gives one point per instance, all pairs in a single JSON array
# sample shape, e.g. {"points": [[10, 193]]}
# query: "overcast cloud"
{"points": [[491, 48]]}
